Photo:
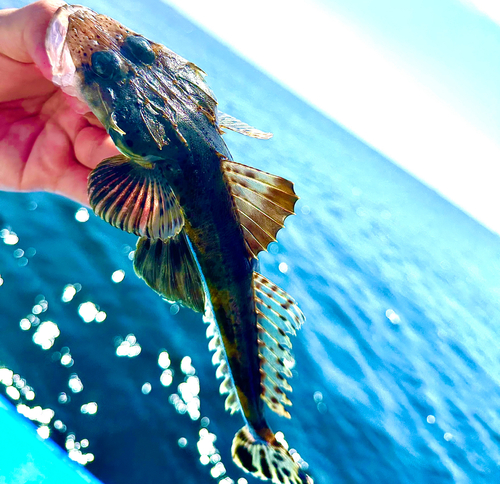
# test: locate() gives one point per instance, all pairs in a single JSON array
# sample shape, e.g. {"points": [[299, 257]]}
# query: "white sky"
{"points": [[322, 58], [490, 8]]}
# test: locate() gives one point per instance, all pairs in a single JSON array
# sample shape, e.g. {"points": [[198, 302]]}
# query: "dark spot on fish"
{"points": [[129, 143], [286, 472], [275, 400], [264, 465], [246, 459], [279, 457]]}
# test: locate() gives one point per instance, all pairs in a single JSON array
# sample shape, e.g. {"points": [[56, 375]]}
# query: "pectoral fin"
{"points": [[228, 122], [169, 267], [128, 195], [263, 202]]}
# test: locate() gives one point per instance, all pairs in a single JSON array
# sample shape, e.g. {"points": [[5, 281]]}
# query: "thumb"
{"points": [[22, 33]]}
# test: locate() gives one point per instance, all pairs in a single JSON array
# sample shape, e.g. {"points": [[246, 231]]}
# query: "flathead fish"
{"points": [[201, 218]]}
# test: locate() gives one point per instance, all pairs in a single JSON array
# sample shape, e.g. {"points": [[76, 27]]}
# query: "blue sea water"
{"points": [[397, 367]]}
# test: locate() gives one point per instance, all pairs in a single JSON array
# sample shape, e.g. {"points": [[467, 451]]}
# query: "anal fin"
{"points": [[219, 359], [169, 267]]}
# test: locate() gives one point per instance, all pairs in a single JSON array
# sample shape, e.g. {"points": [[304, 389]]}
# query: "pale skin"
{"points": [[45, 145]]}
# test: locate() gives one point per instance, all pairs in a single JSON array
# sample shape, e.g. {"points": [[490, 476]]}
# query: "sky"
{"points": [[417, 81]]}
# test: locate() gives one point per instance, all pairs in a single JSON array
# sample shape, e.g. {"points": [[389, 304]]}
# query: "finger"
{"points": [[20, 81], [92, 145], [72, 183], [22, 33], [92, 119]]}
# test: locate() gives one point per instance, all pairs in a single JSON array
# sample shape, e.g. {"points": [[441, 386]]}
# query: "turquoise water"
{"points": [[398, 365]]}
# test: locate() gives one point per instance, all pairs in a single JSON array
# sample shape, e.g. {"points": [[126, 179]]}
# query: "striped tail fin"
{"points": [[266, 458]]}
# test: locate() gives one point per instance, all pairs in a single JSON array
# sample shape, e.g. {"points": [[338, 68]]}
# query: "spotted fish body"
{"points": [[202, 219]]}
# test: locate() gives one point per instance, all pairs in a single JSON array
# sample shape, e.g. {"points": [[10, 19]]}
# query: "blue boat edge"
{"points": [[26, 457]]}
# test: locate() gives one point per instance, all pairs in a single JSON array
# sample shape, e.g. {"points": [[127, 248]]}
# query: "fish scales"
{"points": [[201, 218]]}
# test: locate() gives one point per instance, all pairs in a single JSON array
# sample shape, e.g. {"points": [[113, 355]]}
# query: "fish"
{"points": [[202, 219]]}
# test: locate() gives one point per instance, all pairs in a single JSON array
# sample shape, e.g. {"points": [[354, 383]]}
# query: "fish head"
{"points": [[85, 51], [139, 90]]}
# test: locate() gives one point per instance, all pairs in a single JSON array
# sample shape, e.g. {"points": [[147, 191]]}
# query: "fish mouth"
{"points": [[63, 67]]}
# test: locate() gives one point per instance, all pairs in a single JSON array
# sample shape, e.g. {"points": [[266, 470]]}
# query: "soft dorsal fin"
{"points": [[168, 267], [263, 202], [127, 195], [228, 122], [277, 314]]}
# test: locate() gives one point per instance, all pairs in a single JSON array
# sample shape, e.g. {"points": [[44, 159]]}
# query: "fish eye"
{"points": [[140, 48], [106, 64]]}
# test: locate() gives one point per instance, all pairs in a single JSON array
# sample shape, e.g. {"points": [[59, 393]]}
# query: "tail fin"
{"points": [[266, 459]]}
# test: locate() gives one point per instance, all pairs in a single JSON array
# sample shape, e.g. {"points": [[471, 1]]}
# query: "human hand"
{"points": [[45, 144]]}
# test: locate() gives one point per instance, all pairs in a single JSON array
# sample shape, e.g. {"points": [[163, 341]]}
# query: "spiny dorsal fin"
{"points": [[263, 202], [128, 196], [169, 267], [215, 344], [189, 79], [194, 74], [228, 122], [277, 314]]}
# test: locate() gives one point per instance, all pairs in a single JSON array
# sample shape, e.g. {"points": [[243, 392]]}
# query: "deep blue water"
{"points": [[398, 365]]}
